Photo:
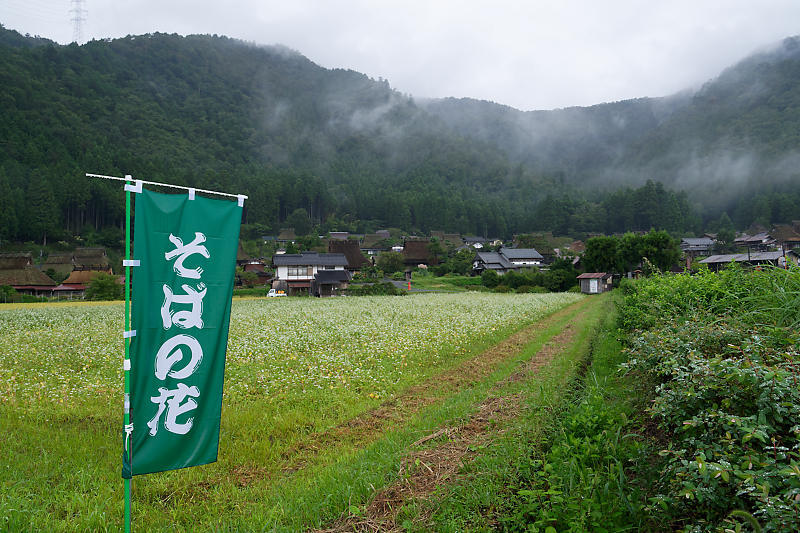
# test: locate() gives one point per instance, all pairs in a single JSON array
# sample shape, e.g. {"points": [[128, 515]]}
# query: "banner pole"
{"points": [[126, 366]]}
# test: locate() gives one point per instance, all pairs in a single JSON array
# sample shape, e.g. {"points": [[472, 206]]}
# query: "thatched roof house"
{"points": [[61, 262], [17, 271], [417, 252], [351, 250], [91, 259]]}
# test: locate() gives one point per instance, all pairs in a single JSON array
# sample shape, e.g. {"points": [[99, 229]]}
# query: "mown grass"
{"points": [[563, 465], [60, 381]]}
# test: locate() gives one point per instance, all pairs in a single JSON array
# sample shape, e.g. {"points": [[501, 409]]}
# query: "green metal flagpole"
{"points": [[127, 362]]}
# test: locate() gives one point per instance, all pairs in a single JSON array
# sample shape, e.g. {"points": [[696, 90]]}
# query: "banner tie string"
{"points": [[128, 432]]}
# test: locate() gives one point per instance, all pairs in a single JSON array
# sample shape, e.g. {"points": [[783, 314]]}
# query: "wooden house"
{"points": [[18, 272], [694, 247], [786, 236], [522, 257], [351, 250], [476, 242], [286, 235], [777, 258], [93, 258], [416, 252], [491, 261], [296, 273], [60, 262], [506, 259], [375, 243], [595, 282]]}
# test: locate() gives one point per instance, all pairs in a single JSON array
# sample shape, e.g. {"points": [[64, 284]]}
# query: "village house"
{"points": [[286, 235], [60, 262], [694, 247], [491, 261], [417, 252], [375, 243], [522, 257], [786, 236], [779, 259], [312, 272], [506, 259], [88, 263], [760, 242], [74, 287], [17, 271], [476, 242], [595, 282], [94, 259], [351, 250], [448, 240]]}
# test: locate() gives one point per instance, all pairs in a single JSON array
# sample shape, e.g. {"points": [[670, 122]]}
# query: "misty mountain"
{"points": [[738, 136], [574, 142], [734, 139], [226, 115], [350, 152]]}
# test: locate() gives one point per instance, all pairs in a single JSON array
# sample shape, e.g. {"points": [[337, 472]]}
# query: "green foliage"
{"points": [[105, 287], [368, 274], [724, 350], [490, 278], [460, 263], [390, 262], [58, 277], [602, 255], [618, 255], [299, 221], [559, 278], [581, 484], [375, 289], [9, 294]]}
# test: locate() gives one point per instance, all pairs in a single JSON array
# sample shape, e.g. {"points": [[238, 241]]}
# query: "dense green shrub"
{"points": [[725, 353], [105, 287], [9, 294], [379, 289]]}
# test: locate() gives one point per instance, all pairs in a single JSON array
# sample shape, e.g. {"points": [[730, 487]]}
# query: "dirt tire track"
{"points": [[368, 427], [423, 470]]}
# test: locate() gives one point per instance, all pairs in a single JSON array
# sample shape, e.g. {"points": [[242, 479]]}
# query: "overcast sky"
{"points": [[531, 54]]}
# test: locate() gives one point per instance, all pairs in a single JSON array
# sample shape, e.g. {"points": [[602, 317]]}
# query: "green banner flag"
{"points": [[186, 248]]}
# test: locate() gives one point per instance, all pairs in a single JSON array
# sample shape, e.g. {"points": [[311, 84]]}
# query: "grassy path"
{"points": [[436, 459], [368, 427]]}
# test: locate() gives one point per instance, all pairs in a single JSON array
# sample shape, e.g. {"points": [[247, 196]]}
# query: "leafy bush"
{"points": [[105, 287], [368, 274], [9, 294], [724, 351], [376, 289], [490, 278]]}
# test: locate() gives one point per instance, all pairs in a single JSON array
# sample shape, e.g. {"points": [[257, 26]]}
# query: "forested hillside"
{"points": [[733, 144], [218, 113], [736, 143], [344, 150]]}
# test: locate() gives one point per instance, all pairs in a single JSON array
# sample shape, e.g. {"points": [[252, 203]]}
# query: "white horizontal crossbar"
{"points": [[239, 197]]}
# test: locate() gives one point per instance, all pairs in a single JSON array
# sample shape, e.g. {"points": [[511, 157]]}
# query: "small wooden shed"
{"points": [[595, 282]]}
